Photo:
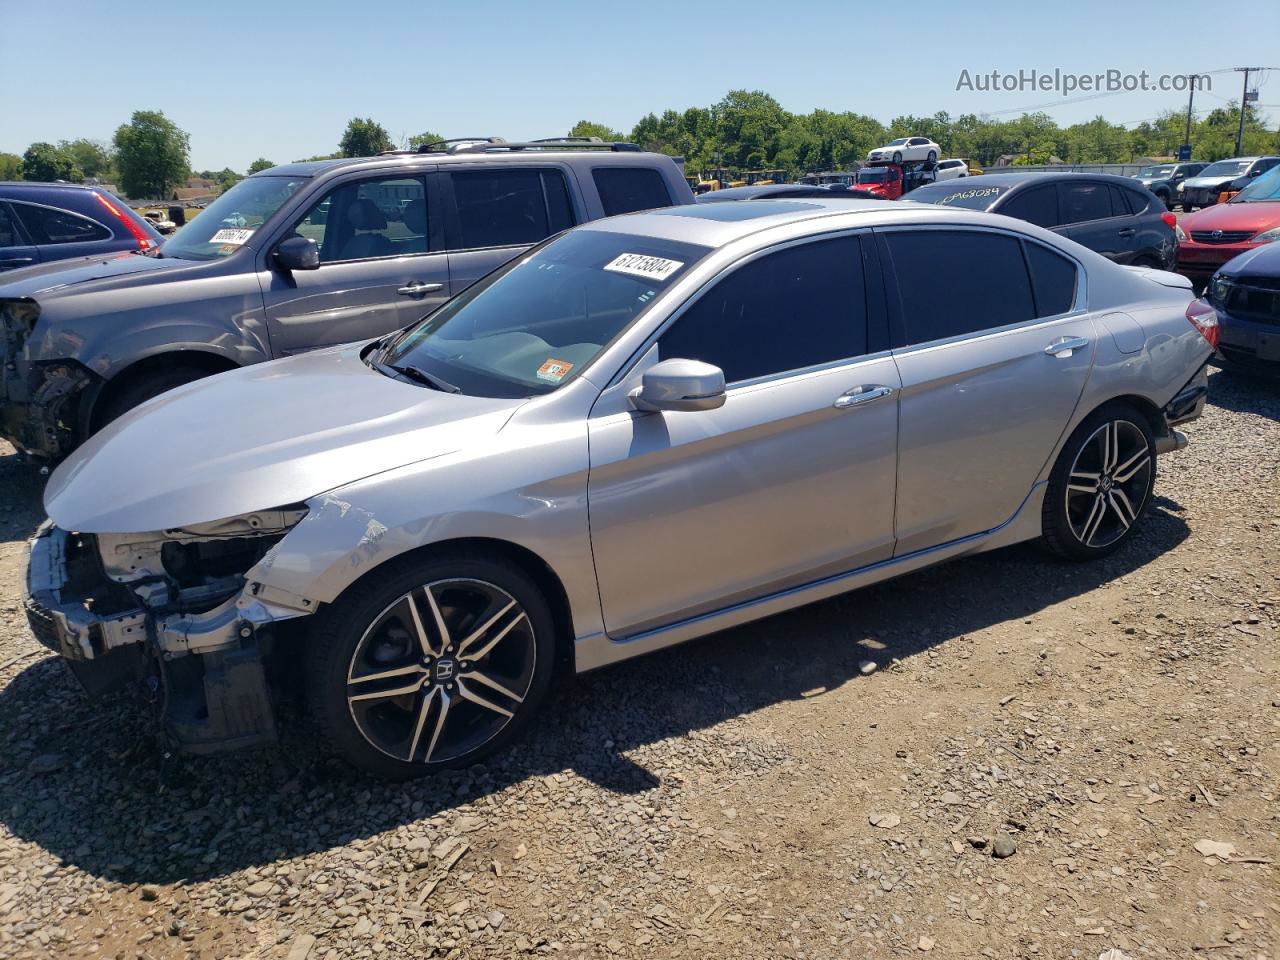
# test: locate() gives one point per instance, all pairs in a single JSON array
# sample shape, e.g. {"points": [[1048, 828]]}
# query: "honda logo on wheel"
{"points": [[444, 670]]}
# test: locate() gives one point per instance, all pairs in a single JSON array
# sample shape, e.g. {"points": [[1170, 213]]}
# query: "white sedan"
{"points": [[907, 149]]}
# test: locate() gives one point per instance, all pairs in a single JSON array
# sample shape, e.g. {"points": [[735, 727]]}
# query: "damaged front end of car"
{"points": [[39, 402], [177, 611]]}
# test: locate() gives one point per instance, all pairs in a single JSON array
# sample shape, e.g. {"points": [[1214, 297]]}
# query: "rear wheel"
{"points": [[434, 666], [1100, 485], [933, 156]]}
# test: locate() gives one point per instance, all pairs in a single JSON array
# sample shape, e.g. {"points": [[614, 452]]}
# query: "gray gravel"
{"points": [[1004, 757]]}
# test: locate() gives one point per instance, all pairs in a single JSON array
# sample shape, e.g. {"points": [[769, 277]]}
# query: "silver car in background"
{"points": [[647, 429]]}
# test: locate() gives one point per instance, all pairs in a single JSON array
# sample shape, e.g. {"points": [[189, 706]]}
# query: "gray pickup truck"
{"points": [[300, 256]]}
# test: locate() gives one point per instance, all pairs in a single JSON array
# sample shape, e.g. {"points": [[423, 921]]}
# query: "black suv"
{"points": [[296, 257], [1118, 218], [1163, 179]]}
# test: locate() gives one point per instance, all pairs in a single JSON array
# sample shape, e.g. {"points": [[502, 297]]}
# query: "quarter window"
{"points": [[369, 219], [502, 208], [953, 282], [48, 225], [1082, 202], [787, 310], [1053, 277], [628, 189]]}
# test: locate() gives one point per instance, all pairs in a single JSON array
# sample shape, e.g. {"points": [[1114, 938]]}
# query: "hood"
{"points": [[1263, 261], [264, 436], [1191, 182], [91, 274], [1234, 216]]}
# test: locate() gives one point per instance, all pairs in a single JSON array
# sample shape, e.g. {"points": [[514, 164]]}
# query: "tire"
{"points": [[897, 156], [1080, 523], [143, 388], [933, 156], [387, 686]]}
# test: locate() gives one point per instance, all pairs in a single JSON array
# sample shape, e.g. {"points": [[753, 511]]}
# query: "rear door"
{"points": [[15, 249], [976, 317], [495, 211], [1088, 217], [382, 264]]}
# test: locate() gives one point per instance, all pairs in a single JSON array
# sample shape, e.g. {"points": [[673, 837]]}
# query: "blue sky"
{"points": [[281, 80]]}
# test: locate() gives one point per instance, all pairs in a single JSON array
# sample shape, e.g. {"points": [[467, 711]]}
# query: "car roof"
{"points": [[718, 224], [595, 158], [42, 185]]}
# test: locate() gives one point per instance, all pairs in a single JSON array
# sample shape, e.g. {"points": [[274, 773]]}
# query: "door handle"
{"points": [[15, 261], [418, 289], [1127, 231], [866, 393], [1063, 346]]}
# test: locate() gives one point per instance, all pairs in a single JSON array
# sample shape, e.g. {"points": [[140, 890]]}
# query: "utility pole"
{"points": [[1244, 94], [1191, 97]]}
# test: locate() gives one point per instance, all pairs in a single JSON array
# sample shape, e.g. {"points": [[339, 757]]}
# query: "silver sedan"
{"points": [[647, 429]]}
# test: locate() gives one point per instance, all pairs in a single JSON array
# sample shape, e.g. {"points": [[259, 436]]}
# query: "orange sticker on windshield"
{"points": [[553, 371]]}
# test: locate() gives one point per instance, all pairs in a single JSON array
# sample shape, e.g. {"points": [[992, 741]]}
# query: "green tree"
{"points": [[227, 178], [93, 157], [588, 128], [259, 165], [10, 166], [45, 162], [418, 139], [364, 138], [151, 155]]}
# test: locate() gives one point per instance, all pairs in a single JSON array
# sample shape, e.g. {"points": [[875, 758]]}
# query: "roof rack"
{"points": [[551, 143]]}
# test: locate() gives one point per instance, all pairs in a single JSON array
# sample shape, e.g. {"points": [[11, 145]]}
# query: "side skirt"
{"points": [[600, 650]]}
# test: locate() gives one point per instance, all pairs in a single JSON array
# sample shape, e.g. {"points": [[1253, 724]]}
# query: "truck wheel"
{"points": [[435, 664], [142, 388]]}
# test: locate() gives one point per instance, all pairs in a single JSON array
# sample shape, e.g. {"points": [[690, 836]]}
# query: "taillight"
{"points": [[1205, 319], [1169, 219], [144, 242]]}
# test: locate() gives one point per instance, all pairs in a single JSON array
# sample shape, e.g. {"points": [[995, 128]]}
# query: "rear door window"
{"points": [[1082, 202], [794, 308], [48, 225], [501, 208], [628, 189], [1039, 205], [10, 234], [955, 282]]}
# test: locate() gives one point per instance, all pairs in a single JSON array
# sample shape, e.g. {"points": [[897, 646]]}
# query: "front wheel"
{"points": [[1100, 485], [933, 156], [436, 665], [897, 157]]}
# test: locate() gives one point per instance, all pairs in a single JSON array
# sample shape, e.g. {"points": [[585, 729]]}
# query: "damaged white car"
{"points": [[645, 430]]}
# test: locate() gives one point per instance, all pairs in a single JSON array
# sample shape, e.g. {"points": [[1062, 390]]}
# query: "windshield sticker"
{"points": [[229, 235], [553, 371], [970, 194], [640, 265]]}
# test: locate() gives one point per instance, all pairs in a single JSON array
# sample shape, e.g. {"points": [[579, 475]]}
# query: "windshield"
{"points": [[220, 229], [1225, 168], [1155, 173], [538, 322], [1265, 188], [973, 198], [873, 175], [897, 143]]}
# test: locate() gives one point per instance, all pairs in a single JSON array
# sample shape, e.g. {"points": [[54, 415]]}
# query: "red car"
{"points": [[1210, 237], [882, 180]]}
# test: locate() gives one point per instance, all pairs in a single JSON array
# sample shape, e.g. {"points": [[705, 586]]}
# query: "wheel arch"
{"points": [[541, 572], [101, 398]]}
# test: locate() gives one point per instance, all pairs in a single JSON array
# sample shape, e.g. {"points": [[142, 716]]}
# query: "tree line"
{"points": [[745, 130]]}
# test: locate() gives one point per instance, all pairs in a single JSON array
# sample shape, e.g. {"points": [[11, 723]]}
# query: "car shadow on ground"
{"points": [[1244, 393], [86, 782]]}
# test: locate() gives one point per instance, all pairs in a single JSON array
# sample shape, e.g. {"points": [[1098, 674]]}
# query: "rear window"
{"points": [[48, 225], [628, 189]]}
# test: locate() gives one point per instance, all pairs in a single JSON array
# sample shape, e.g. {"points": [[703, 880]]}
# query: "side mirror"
{"points": [[297, 253], [680, 385]]}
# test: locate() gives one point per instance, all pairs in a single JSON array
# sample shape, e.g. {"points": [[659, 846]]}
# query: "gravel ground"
{"points": [[1047, 761]]}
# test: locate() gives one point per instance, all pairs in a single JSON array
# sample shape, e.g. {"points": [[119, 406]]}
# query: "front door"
{"points": [[790, 481], [381, 266], [994, 353]]}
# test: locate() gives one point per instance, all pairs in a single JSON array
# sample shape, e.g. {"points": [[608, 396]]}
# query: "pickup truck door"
{"points": [[382, 265]]}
